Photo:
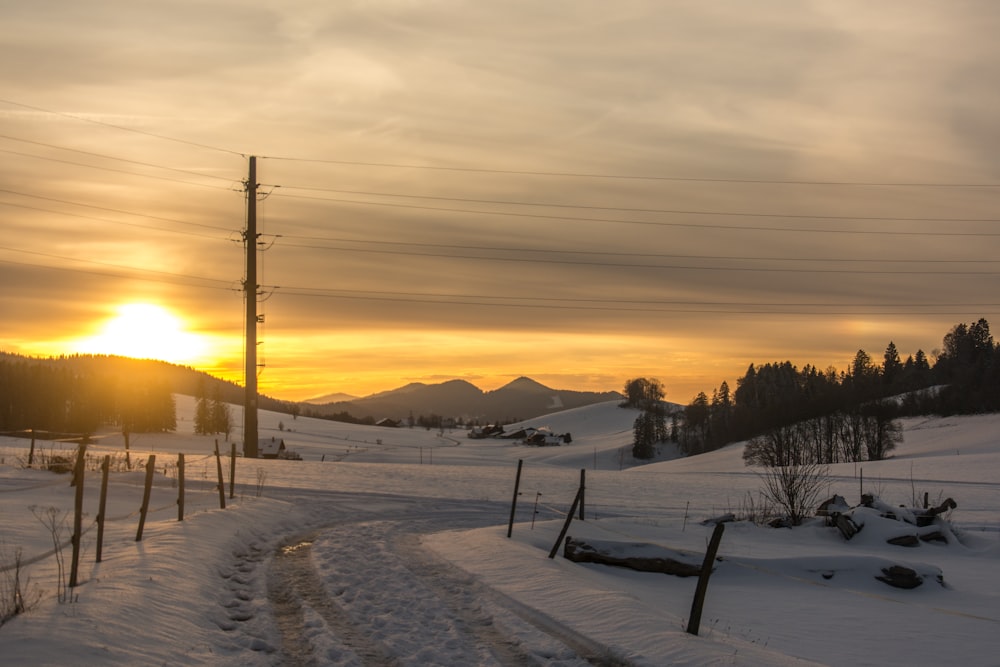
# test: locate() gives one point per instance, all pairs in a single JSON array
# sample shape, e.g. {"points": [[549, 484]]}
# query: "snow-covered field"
{"points": [[390, 547]]}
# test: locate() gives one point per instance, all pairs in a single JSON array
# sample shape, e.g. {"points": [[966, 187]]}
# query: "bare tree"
{"points": [[795, 488]]}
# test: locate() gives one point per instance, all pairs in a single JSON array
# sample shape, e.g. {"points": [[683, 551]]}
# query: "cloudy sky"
{"points": [[577, 191]]}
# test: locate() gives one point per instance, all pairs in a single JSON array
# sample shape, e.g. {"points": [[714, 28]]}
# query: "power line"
{"points": [[133, 272], [551, 251], [651, 223], [112, 222], [632, 177], [515, 172], [549, 261], [111, 169], [586, 207], [112, 210], [107, 157], [122, 127], [601, 308], [336, 291]]}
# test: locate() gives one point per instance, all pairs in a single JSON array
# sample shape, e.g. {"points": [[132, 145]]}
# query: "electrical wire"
{"points": [[112, 222], [112, 210], [624, 209], [652, 223], [336, 291], [108, 157], [672, 267], [825, 310], [630, 177], [111, 169], [133, 272], [556, 251], [123, 128]]}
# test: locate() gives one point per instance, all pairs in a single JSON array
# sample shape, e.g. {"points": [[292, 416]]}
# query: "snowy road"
{"points": [[362, 590]]}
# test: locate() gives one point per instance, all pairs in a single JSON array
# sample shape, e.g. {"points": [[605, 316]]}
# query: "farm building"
{"points": [[271, 448]]}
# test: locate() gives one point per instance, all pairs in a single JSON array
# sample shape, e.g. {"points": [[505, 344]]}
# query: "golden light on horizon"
{"points": [[147, 331]]}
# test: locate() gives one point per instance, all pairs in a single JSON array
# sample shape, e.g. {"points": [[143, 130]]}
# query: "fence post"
{"points": [[78, 473], [150, 469], [222, 484], [232, 471], [706, 571], [569, 520], [102, 508], [583, 491], [513, 504], [180, 487]]}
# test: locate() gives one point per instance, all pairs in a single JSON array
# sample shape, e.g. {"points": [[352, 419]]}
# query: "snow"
{"points": [[389, 546]]}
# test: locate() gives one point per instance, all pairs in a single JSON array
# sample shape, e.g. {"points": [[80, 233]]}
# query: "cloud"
{"points": [[499, 221]]}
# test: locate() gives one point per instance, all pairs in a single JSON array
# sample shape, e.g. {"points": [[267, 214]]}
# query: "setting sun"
{"points": [[146, 331]]}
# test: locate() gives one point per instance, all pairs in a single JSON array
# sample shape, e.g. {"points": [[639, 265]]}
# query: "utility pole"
{"points": [[250, 287]]}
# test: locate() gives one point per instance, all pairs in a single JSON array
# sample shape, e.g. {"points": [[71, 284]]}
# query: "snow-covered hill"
{"points": [[396, 551]]}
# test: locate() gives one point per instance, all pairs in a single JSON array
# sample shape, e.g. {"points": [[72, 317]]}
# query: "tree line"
{"points": [[829, 416], [62, 399]]}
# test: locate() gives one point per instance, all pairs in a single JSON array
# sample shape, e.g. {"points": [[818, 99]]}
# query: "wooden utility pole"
{"points": [[250, 288]]}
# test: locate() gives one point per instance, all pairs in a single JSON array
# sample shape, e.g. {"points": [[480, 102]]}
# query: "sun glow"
{"points": [[146, 331]]}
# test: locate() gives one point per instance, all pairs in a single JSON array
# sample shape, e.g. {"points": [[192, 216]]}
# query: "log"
{"points": [[633, 555], [900, 577], [846, 527], [904, 541]]}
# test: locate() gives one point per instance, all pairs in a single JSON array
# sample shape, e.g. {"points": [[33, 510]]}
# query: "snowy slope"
{"points": [[390, 547]]}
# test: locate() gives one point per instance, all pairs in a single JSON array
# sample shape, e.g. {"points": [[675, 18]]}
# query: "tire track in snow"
{"points": [[362, 591], [293, 587], [564, 646]]}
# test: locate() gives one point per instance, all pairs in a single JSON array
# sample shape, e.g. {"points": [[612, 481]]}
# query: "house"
{"points": [[491, 431], [389, 423], [271, 448]]}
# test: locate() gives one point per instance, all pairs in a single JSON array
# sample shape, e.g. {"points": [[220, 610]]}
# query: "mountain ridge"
{"points": [[522, 398]]}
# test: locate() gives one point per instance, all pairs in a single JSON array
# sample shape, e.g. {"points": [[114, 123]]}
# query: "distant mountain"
{"points": [[523, 398], [331, 398]]}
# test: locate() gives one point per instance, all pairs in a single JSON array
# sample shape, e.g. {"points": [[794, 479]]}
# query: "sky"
{"points": [[451, 189]]}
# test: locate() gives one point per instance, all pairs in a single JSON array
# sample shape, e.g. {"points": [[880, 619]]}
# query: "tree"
{"points": [[644, 436], [884, 432], [650, 426], [640, 392], [891, 365], [795, 488], [697, 416], [219, 416], [202, 410]]}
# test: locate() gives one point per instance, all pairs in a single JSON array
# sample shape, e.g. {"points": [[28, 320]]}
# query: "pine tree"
{"points": [[202, 411]]}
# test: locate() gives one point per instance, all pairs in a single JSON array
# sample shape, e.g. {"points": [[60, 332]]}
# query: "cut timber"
{"points": [[636, 556], [900, 577], [846, 527]]}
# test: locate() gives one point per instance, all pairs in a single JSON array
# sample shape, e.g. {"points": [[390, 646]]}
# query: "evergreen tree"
{"points": [[202, 410], [891, 365], [218, 414], [650, 426]]}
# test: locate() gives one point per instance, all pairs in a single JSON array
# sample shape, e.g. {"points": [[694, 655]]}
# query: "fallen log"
{"points": [[633, 555]]}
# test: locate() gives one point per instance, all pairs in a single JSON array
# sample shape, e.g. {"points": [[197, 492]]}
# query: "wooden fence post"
{"points": [[569, 520], [78, 473], [222, 484], [232, 471], [583, 487], [150, 469], [102, 508], [706, 571], [180, 487], [513, 504]]}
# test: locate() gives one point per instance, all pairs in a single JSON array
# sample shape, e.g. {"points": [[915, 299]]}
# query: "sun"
{"points": [[146, 331]]}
